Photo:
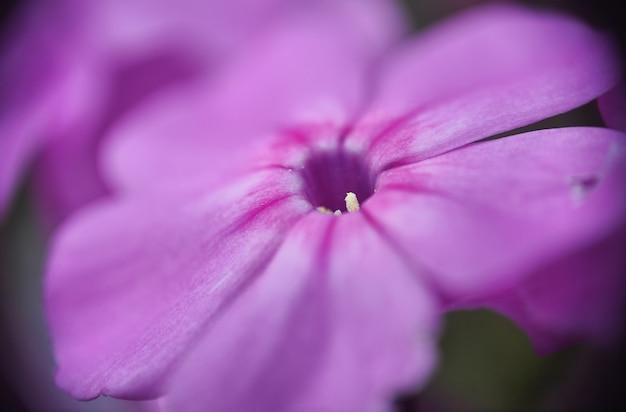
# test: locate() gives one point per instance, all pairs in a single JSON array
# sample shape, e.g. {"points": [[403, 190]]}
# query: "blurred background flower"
{"points": [[116, 63]]}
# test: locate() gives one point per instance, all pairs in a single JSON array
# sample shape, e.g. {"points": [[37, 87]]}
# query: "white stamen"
{"points": [[352, 203]]}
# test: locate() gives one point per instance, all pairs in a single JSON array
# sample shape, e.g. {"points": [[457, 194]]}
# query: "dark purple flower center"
{"points": [[329, 175]]}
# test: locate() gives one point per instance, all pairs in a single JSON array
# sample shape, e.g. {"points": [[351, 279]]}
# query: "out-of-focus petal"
{"points": [[130, 283], [67, 173], [216, 27], [577, 298], [32, 80], [134, 50], [14, 155], [126, 52], [310, 67], [482, 216], [487, 71], [336, 322], [612, 106]]}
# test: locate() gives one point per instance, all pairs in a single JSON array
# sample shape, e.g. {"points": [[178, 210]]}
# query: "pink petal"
{"points": [[612, 106], [310, 67], [30, 95], [124, 63], [130, 283], [481, 217], [67, 172], [577, 298], [17, 145], [336, 322], [213, 27], [487, 71], [133, 51]]}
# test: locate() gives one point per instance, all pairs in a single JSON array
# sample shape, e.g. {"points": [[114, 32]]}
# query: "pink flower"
{"points": [[219, 277]]}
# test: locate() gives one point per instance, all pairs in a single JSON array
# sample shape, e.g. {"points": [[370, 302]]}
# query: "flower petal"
{"points": [[336, 322], [17, 145], [132, 51], [578, 298], [130, 283], [208, 26], [484, 72], [483, 216], [67, 173], [309, 67], [30, 95], [125, 63], [612, 106]]}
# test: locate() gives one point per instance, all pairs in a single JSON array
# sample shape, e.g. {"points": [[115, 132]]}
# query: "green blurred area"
{"points": [[488, 364]]}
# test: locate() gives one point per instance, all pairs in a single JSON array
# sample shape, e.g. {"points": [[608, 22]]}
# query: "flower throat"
{"points": [[336, 181]]}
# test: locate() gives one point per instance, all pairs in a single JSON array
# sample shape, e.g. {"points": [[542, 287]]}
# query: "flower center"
{"points": [[336, 180]]}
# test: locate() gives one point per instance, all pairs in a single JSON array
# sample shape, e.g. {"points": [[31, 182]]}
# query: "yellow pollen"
{"points": [[352, 203], [327, 211]]}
